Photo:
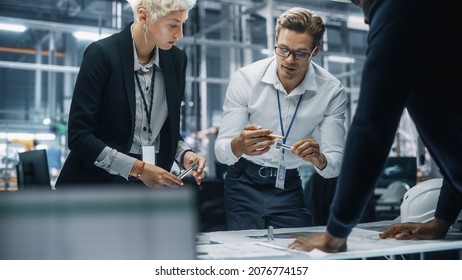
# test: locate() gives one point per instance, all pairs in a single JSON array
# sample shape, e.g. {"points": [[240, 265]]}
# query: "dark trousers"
{"points": [[253, 202]]}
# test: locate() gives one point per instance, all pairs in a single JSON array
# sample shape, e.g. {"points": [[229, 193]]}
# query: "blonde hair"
{"points": [[159, 8], [302, 20]]}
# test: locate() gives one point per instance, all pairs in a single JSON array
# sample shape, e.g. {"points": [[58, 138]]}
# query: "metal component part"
{"points": [[187, 170], [280, 145]]}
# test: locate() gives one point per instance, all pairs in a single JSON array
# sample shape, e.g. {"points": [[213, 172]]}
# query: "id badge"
{"points": [[281, 176], [149, 154]]}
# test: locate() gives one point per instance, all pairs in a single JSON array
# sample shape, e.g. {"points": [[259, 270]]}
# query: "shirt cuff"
{"points": [[327, 172], [115, 163], [180, 151]]}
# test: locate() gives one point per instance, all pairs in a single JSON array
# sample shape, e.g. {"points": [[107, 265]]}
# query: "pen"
{"points": [[187, 170], [277, 136]]}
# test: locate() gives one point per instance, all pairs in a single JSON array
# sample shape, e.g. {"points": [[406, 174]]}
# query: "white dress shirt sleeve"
{"points": [[332, 134], [234, 118]]}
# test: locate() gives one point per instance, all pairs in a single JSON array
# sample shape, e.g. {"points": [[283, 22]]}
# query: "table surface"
{"points": [[364, 242]]}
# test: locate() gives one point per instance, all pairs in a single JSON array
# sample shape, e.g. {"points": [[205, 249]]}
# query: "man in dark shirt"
{"points": [[401, 71]]}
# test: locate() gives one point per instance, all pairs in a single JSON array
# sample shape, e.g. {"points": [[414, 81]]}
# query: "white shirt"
{"points": [[251, 99]]}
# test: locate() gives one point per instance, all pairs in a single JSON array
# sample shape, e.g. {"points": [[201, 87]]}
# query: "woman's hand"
{"points": [[198, 173], [155, 176]]}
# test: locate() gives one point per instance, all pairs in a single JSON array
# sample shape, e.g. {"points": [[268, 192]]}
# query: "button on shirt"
{"points": [[251, 98], [159, 104], [159, 107]]}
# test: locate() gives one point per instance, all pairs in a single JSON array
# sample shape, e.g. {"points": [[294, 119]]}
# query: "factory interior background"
{"points": [[42, 43]]}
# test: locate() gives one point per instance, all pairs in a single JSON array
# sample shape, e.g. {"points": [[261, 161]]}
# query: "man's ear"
{"points": [[316, 50]]}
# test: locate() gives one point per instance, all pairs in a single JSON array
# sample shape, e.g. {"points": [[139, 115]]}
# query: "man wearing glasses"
{"points": [[286, 98]]}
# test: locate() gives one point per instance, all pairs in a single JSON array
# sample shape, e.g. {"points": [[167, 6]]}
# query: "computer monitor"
{"points": [[32, 170], [99, 223], [399, 169]]}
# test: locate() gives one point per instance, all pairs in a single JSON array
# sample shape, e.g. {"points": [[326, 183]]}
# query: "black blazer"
{"points": [[102, 111]]}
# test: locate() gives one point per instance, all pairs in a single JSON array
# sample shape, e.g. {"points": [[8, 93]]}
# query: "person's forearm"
{"points": [[115, 163]]}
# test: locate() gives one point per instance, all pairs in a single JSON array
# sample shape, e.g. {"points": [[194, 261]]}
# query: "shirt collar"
{"points": [[308, 84], [153, 61]]}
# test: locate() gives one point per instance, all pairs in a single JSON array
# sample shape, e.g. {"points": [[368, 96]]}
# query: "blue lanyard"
{"points": [[280, 118]]}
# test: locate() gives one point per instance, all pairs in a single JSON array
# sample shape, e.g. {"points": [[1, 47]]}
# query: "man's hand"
{"points": [[321, 241], [435, 229], [252, 141], [309, 150]]}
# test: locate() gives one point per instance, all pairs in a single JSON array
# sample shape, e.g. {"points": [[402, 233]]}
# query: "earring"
{"points": [[144, 30]]}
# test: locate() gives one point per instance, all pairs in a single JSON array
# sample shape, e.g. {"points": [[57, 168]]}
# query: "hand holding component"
{"points": [[280, 145], [191, 158], [187, 170], [309, 150], [253, 141], [156, 177]]}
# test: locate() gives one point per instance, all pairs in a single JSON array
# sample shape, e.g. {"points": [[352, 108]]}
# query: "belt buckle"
{"points": [[260, 170]]}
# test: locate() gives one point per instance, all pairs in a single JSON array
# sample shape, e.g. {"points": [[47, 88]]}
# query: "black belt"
{"points": [[262, 171]]}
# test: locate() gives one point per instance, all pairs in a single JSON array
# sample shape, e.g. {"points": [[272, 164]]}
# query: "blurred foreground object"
{"points": [[95, 223]]}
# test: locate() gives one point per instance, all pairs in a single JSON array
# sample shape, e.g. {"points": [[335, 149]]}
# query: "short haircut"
{"points": [[302, 20], [158, 8]]}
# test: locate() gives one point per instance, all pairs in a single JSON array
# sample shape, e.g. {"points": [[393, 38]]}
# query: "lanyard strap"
{"points": [[280, 117], [147, 110]]}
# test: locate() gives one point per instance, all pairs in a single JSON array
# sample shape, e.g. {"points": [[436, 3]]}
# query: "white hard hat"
{"points": [[419, 203]]}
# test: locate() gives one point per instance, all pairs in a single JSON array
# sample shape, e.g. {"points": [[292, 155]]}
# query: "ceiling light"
{"points": [[27, 136], [20, 136], [45, 136], [12, 27], [89, 36], [341, 59]]}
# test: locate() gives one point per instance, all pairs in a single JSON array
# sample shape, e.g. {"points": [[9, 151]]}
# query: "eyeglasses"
{"points": [[286, 52]]}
